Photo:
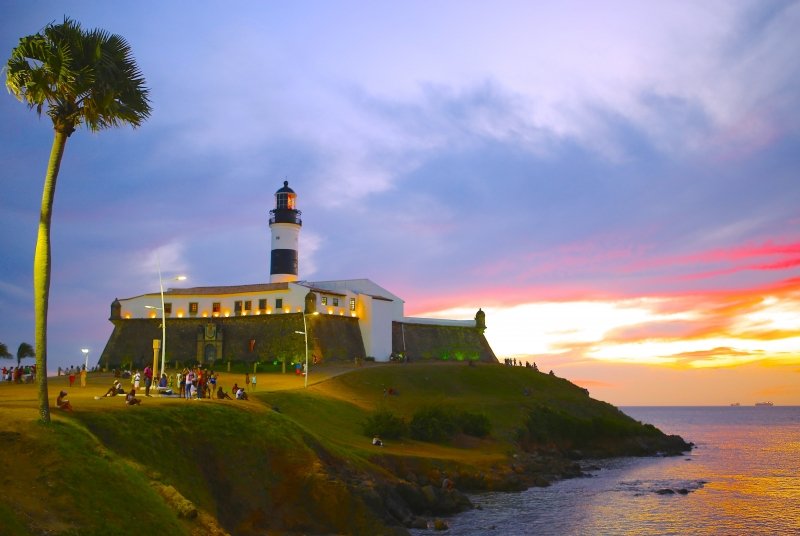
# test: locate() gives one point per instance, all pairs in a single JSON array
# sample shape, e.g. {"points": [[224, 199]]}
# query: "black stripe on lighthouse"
{"points": [[283, 261]]}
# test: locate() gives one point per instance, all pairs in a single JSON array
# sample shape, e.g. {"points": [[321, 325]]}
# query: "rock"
{"points": [[430, 494], [665, 491], [683, 491], [440, 524], [419, 523]]}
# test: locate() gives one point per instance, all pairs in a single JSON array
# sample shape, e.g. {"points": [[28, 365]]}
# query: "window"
{"points": [[215, 307], [279, 303], [248, 305], [193, 308], [352, 304], [168, 308], [262, 304], [324, 300], [336, 302], [237, 307]]}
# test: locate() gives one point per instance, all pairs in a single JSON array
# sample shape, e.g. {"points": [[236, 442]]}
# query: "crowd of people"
{"points": [[190, 383], [513, 362], [20, 374]]}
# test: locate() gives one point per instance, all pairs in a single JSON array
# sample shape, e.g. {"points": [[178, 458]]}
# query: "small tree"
{"points": [[4, 351], [24, 350]]}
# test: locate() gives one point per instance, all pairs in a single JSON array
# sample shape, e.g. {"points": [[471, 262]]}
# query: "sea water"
{"points": [[743, 477]]}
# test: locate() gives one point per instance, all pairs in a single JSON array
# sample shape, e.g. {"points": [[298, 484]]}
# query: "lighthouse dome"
{"points": [[285, 189]]}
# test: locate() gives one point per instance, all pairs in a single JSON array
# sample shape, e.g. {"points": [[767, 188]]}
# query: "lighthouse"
{"points": [[284, 224]]}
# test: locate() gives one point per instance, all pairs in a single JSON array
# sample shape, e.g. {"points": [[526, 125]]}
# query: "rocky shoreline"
{"points": [[424, 491]]}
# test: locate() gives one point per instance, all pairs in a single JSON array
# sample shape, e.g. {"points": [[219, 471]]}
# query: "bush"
{"points": [[475, 424], [433, 424], [545, 424], [385, 424]]}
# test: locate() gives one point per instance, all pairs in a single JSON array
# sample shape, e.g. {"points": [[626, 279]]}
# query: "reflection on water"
{"points": [[741, 479]]}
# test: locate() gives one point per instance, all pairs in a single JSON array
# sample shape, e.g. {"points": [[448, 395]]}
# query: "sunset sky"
{"points": [[615, 183]]}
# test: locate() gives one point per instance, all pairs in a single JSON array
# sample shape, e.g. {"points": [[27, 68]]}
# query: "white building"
{"points": [[375, 307]]}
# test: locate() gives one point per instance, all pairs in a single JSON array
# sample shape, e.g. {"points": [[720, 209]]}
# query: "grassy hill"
{"points": [[295, 461]]}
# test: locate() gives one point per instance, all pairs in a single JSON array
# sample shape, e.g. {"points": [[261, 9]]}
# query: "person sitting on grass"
{"points": [[62, 402], [115, 389], [131, 399], [241, 395], [377, 441], [222, 395]]}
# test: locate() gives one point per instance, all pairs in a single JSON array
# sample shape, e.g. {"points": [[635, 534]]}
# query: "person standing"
{"points": [[137, 379], [83, 376], [148, 380], [189, 383]]}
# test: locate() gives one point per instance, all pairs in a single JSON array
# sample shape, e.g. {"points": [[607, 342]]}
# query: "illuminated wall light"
{"points": [[258, 312], [341, 313], [299, 309], [152, 314], [269, 310], [353, 314], [180, 314], [227, 314], [244, 313], [286, 309], [330, 310], [127, 316], [205, 314], [216, 315]]}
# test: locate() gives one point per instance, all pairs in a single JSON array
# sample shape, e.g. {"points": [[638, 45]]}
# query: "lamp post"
{"points": [[86, 358], [163, 317], [305, 334]]}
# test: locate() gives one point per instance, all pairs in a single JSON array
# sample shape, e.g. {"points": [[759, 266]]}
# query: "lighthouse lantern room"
{"points": [[284, 225]]}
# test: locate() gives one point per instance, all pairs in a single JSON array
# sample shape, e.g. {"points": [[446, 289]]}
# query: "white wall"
{"points": [[293, 298]]}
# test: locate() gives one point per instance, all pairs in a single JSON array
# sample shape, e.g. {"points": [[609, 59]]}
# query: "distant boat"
{"points": [[768, 404], [736, 404]]}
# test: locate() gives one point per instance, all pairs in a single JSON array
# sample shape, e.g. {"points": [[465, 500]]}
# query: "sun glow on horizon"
{"points": [[688, 332]]}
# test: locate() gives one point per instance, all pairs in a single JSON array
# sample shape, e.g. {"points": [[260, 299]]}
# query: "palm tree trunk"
{"points": [[41, 272]]}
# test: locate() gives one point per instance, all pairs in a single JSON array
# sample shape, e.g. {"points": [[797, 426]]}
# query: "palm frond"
{"points": [[88, 77]]}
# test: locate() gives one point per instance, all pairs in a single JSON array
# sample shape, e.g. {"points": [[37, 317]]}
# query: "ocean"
{"points": [[743, 477]]}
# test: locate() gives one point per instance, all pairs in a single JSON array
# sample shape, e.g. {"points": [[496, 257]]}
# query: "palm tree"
{"points": [[4, 351], [82, 76], [24, 350]]}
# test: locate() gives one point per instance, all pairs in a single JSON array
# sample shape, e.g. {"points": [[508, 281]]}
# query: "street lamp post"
{"points": [[156, 375], [305, 334], [86, 358]]}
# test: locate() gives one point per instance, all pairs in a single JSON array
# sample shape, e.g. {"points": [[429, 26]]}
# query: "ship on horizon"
{"points": [[767, 404]]}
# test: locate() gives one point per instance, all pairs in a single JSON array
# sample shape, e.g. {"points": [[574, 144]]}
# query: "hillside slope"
{"points": [[297, 461]]}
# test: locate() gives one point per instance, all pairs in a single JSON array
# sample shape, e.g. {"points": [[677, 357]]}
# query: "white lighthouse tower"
{"points": [[284, 224]]}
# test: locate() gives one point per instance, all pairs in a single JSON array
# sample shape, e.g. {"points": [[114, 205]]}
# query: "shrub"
{"points": [[385, 424], [475, 424], [433, 424]]}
